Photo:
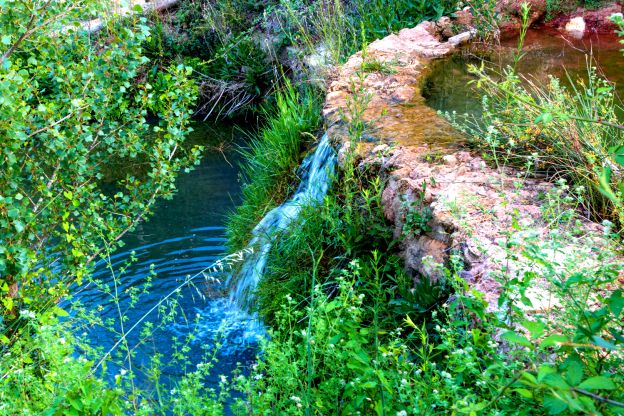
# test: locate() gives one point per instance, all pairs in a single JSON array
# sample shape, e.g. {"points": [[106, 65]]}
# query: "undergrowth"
{"points": [[239, 48]]}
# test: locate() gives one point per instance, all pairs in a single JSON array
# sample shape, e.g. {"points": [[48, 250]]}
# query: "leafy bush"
{"points": [[65, 122]]}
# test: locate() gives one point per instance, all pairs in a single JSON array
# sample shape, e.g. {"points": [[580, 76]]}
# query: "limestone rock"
{"points": [[472, 207], [462, 38]]}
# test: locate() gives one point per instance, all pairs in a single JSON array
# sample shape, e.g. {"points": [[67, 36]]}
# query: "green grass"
{"points": [[374, 65], [273, 157], [350, 223]]}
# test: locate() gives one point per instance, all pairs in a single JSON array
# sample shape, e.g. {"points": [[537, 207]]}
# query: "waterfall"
{"points": [[315, 172]]}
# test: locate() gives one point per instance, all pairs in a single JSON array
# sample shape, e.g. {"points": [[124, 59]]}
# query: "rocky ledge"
{"points": [[471, 207]]}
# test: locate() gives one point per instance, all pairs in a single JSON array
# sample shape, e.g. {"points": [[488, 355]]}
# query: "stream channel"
{"points": [[183, 237], [186, 234]]}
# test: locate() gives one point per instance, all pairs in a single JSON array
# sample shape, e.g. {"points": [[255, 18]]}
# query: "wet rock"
{"points": [[576, 26], [462, 38], [444, 28]]}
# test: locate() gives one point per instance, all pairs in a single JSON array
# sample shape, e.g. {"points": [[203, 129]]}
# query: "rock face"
{"points": [[511, 10], [469, 208]]}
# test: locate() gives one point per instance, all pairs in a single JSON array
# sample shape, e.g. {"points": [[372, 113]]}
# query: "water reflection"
{"points": [[547, 52]]}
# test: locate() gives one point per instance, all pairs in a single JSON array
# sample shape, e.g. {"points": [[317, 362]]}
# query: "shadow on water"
{"points": [[184, 236], [547, 52]]}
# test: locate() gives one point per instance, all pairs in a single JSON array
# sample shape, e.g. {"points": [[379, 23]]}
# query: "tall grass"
{"points": [[273, 157], [568, 132], [337, 29]]}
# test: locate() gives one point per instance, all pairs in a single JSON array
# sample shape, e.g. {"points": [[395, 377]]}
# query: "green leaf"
{"points": [[527, 394], [555, 380], [13, 213], [60, 312], [604, 179], [617, 154], [616, 303], [543, 371], [574, 375], [597, 383], [536, 328], [75, 402], [19, 226], [554, 339], [529, 379], [554, 405], [516, 339], [6, 39]]}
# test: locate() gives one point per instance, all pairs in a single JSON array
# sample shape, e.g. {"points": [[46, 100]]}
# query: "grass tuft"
{"points": [[273, 157]]}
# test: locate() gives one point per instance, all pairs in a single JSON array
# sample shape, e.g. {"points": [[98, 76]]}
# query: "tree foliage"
{"points": [[90, 135]]}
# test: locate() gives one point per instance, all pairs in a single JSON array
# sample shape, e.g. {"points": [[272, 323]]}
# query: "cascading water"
{"points": [[316, 172]]}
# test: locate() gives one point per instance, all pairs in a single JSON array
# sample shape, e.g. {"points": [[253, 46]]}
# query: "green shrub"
{"points": [[65, 122], [382, 17], [351, 221], [552, 346]]}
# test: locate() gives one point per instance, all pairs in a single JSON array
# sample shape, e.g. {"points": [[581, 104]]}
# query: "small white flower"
{"points": [[28, 314]]}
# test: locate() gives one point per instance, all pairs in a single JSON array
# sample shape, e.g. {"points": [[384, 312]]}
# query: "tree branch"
{"points": [[597, 397]]}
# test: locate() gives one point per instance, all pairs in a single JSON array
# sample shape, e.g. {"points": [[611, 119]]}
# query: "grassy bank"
{"points": [[351, 333]]}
